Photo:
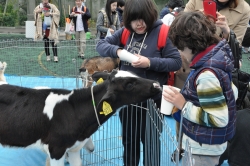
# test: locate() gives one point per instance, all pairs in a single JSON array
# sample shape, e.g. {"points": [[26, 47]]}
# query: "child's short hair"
{"points": [[139, 9], [193, 30]]}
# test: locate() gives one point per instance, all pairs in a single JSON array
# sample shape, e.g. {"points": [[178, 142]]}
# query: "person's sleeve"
{"points": [[100, 23], [55, 12], [190, 6], [70, 15], [164, 11], [87, 14], [241, 27], [108, 47], [34, 12], [213, 110], [170, 60]]}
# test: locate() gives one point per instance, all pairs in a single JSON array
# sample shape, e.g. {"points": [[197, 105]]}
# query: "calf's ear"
{"points": [[105, 105], [100, 75]]}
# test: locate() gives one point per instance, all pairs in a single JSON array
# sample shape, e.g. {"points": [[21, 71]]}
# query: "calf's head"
{"points": [[125, 88]]}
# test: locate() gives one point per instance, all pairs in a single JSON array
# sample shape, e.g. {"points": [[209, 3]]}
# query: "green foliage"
{"points": [[62, 21], [10, 17], [22, 19]]}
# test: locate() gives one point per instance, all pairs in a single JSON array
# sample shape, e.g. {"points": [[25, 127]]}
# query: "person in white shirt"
{"points": [[80, 15], [169, 18]]}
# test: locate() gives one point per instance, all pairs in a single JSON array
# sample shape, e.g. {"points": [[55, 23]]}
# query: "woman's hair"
{"points": [[120, 3], [193, 30], [233, 3], [108, 9], [140, 9]]}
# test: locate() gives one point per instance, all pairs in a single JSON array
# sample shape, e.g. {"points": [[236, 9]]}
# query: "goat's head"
{"points": [[126, 88]]}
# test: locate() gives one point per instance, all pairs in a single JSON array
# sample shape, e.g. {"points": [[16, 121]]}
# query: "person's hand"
{"points": [[111, 30], [47, 14], [175, 97], [82, 12], [39, 10], [118, 52], [222, 23], [142, 62], [72, 14]]}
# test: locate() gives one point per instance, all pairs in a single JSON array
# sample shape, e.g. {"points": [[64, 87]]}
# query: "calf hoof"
{"points": [[89, 146]]}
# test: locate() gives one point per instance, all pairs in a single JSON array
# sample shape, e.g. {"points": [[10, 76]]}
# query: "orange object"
{"points": [[67, 20]]}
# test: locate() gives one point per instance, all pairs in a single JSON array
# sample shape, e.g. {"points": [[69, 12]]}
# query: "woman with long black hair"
{"points": [[107, 19]]}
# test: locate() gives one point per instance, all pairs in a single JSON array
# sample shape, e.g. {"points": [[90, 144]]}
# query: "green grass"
{"points": [[27, 57]]}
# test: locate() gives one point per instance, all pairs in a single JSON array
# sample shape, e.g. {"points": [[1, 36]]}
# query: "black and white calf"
{"points": [[60, 120]]}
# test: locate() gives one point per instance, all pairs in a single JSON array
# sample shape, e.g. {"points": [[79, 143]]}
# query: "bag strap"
{"points": [[105, 22], [162, 37], [116, 18]]}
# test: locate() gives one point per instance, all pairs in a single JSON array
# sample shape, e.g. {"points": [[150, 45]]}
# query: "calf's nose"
{"points": [[157, 86]]}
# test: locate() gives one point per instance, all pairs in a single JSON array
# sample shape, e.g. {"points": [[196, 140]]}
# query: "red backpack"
{"points": [[162, 39]]}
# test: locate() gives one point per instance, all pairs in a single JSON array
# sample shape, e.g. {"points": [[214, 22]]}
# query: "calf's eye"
{"points": [[129, 86]]}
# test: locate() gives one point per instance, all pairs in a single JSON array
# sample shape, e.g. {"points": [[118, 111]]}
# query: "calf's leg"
{"points": [[60, 162], [74, 158]]}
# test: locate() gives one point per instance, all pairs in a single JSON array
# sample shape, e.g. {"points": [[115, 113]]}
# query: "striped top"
{"points": [[212, 113]]}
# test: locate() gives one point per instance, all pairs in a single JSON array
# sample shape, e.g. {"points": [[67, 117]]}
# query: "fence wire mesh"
{"points": [[159, 140]]}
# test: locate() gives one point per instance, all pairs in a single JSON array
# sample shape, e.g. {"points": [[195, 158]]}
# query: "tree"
{"points": [[6, 3]]}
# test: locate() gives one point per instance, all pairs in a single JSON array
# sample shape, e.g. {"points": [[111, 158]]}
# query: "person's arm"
{"points": [[108, 47], [241, 27], [55, 12], [170, 60], [213, 111], [37, 11], [100, 23], [71, 15], [190, 6], [87, 14]]}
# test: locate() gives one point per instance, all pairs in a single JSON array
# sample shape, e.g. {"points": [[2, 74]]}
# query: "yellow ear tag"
{"points": [[100, 81], [106, 108]]}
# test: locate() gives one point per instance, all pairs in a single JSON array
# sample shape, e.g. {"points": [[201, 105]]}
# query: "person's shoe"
{"points": [[174, 153], [82, 56], [248, 58], [44, 36], [48, 58], [55, 59]]}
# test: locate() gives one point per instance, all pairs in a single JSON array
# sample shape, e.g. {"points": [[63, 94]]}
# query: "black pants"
{"points": [[137, 126], [46, 46]]}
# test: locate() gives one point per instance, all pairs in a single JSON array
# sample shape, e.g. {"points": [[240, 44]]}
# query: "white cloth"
{"points": [[168, 19], [79, 23]]}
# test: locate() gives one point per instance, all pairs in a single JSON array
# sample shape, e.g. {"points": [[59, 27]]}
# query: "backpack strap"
{"points": [[125, 35], [105, 22], [162, 37]]}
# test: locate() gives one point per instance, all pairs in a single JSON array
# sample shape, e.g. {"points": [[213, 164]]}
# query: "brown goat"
{"points": [[94, 64]]}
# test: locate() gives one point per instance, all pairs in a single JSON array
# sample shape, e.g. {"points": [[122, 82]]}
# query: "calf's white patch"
{"points": [[51, 102], [124, 74]]}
